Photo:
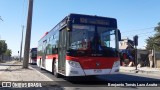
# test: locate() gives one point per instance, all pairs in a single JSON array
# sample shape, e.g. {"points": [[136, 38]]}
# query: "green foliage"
{"points": [[157, 29], [150, 42], [3, 47], [154, 42], [8, 52]]}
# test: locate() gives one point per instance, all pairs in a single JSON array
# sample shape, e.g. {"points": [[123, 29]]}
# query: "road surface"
{"points": [[103, 82]]}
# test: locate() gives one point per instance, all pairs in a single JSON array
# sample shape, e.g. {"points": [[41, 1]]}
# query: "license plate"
{"points": [[97, 70]]}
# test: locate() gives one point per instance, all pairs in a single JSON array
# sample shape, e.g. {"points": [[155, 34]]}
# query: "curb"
{"points": [[40, 73], [157, 73]]}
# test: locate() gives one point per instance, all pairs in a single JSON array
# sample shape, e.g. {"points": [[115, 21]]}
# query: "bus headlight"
{"points": [[116, 64], [74, 64]]}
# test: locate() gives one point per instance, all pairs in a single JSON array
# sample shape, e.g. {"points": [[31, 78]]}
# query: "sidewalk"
{"points": [[141, 70], [12, 71], [28, 79], [5, 65]]}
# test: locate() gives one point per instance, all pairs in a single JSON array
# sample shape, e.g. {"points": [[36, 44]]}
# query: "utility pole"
{"points": [[28, 35], [135, 39], [21, 45]]}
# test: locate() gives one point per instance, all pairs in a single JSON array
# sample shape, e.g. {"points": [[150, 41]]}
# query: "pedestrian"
{"points": [[150, 56]]}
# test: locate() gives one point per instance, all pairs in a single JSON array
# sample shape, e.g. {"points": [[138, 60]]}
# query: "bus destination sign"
{"points": [[94, 21]]}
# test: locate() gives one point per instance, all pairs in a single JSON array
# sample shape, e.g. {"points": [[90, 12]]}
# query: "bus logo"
{"points": [[97, 64]]}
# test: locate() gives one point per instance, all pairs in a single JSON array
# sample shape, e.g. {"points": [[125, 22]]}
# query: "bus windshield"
{"points": [[33, 54], [98, 41]]}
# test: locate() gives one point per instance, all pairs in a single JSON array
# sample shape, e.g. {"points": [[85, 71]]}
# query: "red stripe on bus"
{"points": [[52, 56], [94, 62], [49, 56]]}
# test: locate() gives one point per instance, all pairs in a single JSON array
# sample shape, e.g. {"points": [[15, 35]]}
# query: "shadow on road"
{"points": [[112, 79]]}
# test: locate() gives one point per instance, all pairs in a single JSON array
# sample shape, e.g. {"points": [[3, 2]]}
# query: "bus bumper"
{"points": [[78, 71], [73, 70]]}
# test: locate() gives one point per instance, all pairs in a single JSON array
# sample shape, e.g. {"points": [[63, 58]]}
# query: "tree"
{"points": [[157, 35], [150, 42], [8, 52], [1, 18], [157, 29], [3, 48], [154, 42]]}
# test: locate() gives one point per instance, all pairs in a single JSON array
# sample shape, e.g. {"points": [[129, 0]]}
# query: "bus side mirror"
{"points": [[69, 25], [119, 35]]}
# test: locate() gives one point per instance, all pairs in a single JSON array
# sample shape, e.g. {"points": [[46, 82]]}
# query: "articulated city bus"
{"points": [[33, 56], [81, 45]]}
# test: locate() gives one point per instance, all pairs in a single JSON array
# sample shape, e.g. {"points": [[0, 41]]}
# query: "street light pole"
{"points": [[21, 44], [28, 35]]}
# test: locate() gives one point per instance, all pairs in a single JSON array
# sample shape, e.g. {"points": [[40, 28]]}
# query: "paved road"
{"points": [[102, 82]]}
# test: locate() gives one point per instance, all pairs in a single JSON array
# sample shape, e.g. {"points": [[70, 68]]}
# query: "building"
{"points": [[142, 54], [125, 43]]}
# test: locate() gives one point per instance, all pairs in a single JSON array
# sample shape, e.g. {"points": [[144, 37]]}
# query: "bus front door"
{"points": [[62, 51], [44, 54]]}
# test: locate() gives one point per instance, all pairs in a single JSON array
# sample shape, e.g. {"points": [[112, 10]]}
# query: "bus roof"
{"points": [[33, 49], [84, 15]]}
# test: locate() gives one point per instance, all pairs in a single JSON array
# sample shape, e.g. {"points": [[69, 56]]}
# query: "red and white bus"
{"points": [[33, 56], [81, 45]]}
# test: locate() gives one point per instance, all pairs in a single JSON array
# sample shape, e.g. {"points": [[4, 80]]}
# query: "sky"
{"points": [[134, 17]]}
